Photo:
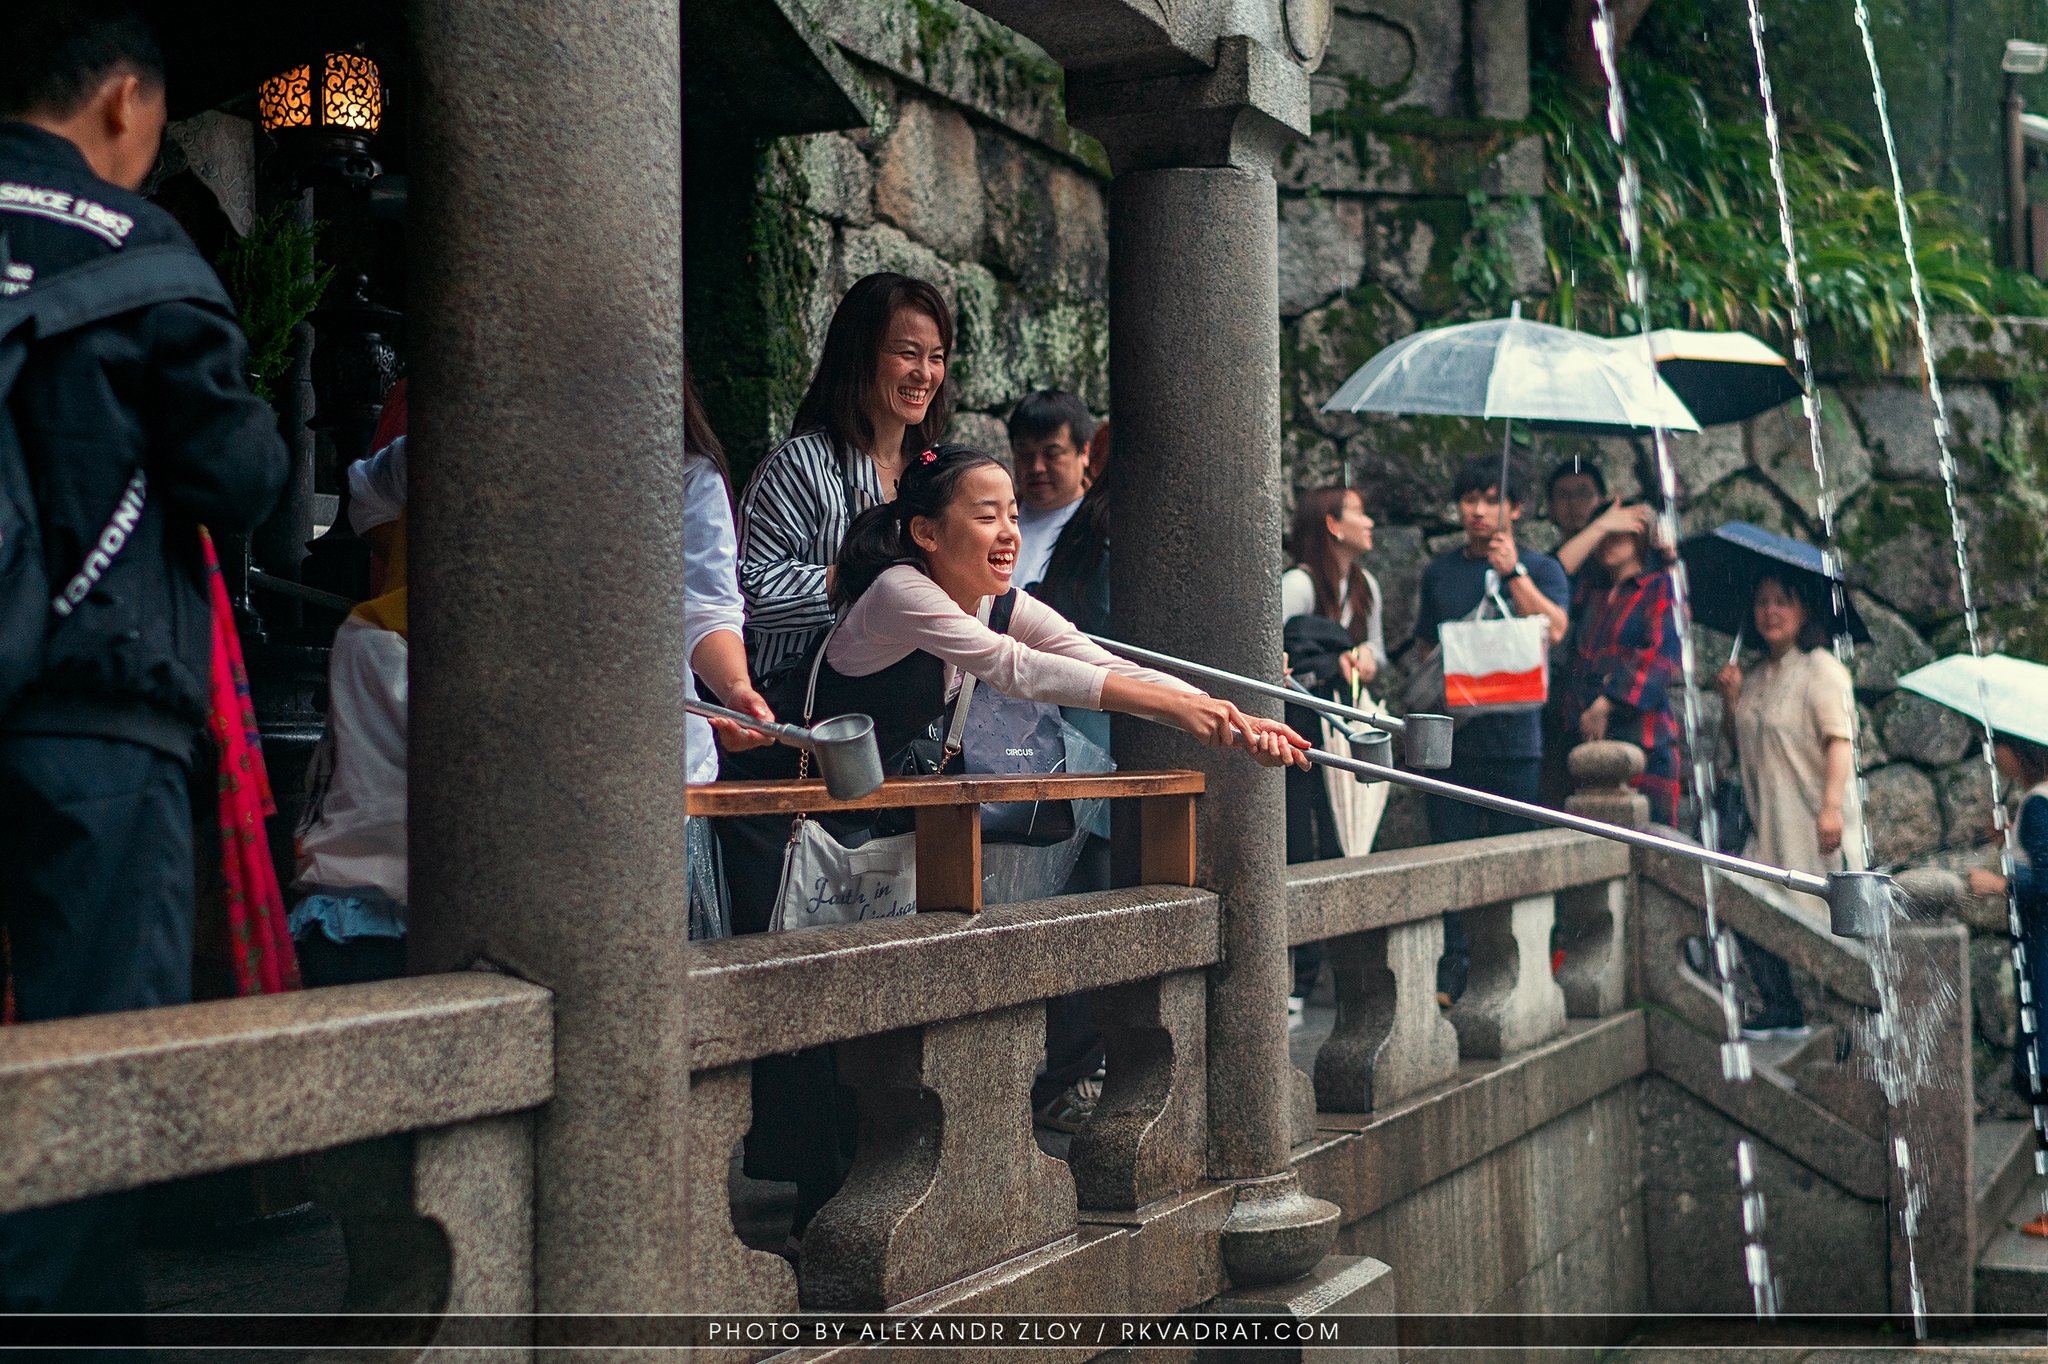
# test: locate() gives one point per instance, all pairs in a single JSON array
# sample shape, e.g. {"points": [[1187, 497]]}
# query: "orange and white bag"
{"points": [[1495, 666]]}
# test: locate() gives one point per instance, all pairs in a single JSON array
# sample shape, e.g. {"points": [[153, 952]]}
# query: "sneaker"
{"points": [[1765, 1027], [1072, 1106], [1295, 1004]]}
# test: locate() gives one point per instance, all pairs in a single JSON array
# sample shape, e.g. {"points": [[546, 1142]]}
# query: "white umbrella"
{"points": [[1509, 367], [2016, 690]]}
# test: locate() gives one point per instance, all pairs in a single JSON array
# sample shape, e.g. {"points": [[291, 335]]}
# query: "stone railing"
{"points": [[940, 1024], [1383, 918], [450, 1066]]}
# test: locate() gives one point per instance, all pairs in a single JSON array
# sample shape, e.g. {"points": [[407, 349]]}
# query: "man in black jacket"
{"points": [[97, 756]]}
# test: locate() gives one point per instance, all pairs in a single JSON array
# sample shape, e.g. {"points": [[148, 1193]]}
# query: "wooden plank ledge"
{"points": [[897, 793]]}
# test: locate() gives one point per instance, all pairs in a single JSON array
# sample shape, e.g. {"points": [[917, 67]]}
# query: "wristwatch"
{"points": [[1521, 570]]}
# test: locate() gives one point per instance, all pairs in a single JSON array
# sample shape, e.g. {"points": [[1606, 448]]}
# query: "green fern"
{"points": [[1710, 227], [272, 277]]}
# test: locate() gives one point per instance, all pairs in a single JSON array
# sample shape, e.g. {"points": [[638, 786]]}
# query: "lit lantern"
{"points": [[323, 115]]}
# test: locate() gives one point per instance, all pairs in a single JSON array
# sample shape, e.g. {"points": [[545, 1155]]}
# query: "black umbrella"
{"points": [[1722, 376], [1723, 567]]}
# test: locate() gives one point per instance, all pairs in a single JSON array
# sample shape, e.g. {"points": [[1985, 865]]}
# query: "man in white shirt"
{"points": [[1049, 434]]}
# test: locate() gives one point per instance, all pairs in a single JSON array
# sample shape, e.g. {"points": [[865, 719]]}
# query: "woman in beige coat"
{"points": [[1793, 724]]}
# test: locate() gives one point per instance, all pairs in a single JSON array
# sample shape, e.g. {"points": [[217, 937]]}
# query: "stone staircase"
{"points": [[2012, 1268]]}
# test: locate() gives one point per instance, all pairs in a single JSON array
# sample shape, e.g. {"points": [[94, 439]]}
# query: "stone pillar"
{"points": [[1195, 395], [546, 570]]}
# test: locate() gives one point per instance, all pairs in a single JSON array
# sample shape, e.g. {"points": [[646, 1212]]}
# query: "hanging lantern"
{"points": [[322, 116]]}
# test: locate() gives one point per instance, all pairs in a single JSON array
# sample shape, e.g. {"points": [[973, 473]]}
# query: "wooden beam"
{"points": [[791, 797], [1166, 839], [949, 858]]}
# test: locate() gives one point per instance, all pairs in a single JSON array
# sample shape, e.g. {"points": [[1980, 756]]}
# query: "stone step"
{"points": [[2002, 1162], [2012, 1271]]}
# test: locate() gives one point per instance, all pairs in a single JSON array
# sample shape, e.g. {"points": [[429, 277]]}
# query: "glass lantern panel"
{"points": [[286, 101], [352, 94]]}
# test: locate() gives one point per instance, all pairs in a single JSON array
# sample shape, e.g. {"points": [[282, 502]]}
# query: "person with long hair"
{"points": [[925, 584], [882, 392], [1793, 723], [713, 618]]}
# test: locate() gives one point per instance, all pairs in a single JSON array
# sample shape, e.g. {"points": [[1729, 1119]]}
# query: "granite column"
{"points": [[1195, 398], [545, 558]]}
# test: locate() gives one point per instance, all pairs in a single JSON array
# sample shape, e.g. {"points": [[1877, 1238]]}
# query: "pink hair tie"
{"points": [[929, 456]]}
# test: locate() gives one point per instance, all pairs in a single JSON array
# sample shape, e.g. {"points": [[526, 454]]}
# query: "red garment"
{"points": [[259, 943], [391, 421]]}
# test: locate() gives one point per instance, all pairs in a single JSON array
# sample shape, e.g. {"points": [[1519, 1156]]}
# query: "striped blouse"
{"points": [[793, 517]]}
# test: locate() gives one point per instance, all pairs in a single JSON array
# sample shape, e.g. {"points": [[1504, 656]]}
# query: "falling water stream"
{"points": [[1901, 1055], [1898, 1047], [1735, 1057]]}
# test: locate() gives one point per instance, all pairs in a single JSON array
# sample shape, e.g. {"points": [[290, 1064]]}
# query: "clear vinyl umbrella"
{"points": [[1512, 367]]}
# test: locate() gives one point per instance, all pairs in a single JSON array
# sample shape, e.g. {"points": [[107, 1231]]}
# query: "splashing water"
{"points": [[1735, 1057], [1959, 533]]}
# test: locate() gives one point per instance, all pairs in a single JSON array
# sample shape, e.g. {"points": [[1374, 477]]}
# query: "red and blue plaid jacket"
{"points": [[1628, 651]]}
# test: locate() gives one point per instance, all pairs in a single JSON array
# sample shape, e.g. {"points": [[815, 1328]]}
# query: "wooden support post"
{"points": [[1166, 833], [949, 858]]}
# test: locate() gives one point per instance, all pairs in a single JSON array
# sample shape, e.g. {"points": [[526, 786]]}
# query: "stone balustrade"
{"points": [[1383, 916]]}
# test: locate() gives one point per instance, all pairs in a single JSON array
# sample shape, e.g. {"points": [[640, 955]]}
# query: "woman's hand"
{"points": [[1728, 682], [1593, 721], [1219, 724], [1358, 665], [735, 737], [1829, 828], [1984, 882]]}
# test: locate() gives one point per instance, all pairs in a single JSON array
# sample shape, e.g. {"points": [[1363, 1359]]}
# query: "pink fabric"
{"points": [[260, 944], [1042, 658]]}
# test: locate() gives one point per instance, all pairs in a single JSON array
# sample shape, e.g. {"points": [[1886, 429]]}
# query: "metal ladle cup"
{"points": [[844, 747], [1371, 746], [1426, 742]]}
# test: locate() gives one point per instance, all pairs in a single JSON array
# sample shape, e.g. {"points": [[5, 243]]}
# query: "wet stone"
{"points": [[1965, 790], [1782, 449], [1894, 650], [926, 182], [1992, 990], [1322, 251], [1902, 812], [1917, 729]]}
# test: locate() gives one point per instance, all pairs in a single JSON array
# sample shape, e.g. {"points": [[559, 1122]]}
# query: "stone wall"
{"points": [[969, 176]]}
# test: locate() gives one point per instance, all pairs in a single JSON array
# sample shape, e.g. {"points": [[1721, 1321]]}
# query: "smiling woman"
{"points": [[882, 393]]}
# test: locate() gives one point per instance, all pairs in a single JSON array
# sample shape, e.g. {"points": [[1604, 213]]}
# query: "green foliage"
{"points": [[272, 278], [1711, 246], [1485, 263]]}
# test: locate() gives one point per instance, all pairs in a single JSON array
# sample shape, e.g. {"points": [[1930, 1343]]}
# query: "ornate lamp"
{"points": [[323, 115]]}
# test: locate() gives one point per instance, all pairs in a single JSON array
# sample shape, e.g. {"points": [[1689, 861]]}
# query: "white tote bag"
{"points": [[1357, 805], [826, 882], [1494, 667]]}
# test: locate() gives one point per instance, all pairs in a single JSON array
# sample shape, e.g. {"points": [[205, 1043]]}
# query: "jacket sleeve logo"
{"points": [[60, 206]]}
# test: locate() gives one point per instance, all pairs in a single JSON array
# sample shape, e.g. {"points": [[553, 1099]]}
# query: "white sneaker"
{"points": [[1295, 1005]]}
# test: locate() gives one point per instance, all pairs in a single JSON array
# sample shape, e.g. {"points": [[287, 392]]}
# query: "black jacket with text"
{"points": [[162, 389]]}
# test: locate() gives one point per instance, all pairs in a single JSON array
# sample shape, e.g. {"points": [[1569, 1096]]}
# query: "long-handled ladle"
{"points": [[844, 747], [1425, 739]]}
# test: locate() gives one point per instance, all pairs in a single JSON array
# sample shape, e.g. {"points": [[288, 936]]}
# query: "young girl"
{"points": [[913, 578]]}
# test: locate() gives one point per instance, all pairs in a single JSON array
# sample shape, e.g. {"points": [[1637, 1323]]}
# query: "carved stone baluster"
{"points": [[1592, 924], [1390, 1039], [726, 1275], [1146, 1138], [948, 1180], [1512, 1002]]}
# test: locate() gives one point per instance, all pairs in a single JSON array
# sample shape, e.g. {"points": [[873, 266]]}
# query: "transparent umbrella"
{"points": [[1511, 367]]}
